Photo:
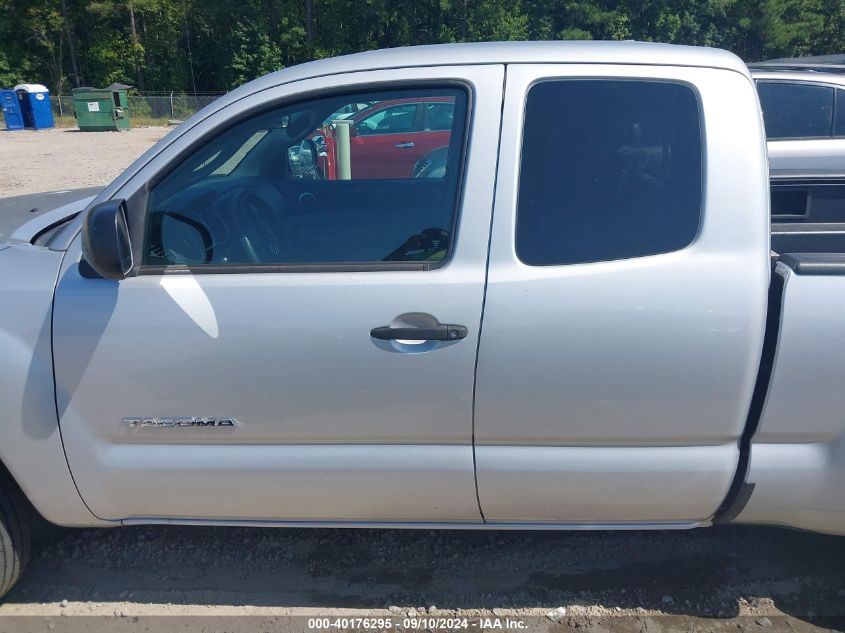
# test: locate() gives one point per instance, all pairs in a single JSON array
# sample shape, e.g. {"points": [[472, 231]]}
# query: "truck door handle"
{"points": [[405, 145], [442, 332]]}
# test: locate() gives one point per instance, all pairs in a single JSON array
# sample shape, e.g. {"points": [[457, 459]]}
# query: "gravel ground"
{"points": [[719, 579], [723, 578], [48, 160]]}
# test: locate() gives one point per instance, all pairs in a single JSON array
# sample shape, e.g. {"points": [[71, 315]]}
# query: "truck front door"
{"points": [[626, 298], [249, 367]]}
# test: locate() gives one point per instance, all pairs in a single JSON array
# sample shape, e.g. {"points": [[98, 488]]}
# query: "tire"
{"points": [[14, 535]]}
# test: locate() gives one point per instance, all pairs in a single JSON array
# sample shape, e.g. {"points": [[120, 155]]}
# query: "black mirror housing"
{"points": [[105, 240]]}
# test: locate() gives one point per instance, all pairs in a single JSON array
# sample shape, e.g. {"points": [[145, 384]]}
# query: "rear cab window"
{"points": [[610, 169]]}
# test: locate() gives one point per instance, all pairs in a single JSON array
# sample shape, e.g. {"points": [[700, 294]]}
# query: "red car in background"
{"points": [[387, 138]]}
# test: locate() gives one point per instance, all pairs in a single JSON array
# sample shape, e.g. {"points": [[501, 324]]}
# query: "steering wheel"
{"points": [[257, 226], [420, 246], [181, 235]]}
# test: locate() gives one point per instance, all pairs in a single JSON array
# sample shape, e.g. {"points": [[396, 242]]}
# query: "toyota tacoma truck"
{"points": [[578, 325]]}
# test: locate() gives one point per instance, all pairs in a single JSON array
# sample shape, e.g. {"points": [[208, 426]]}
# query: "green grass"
{"points": [[145, 121], [68, 121], [65, 121]]}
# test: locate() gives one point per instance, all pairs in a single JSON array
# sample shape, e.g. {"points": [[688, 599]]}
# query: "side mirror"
{"points": [[302, 159], [105, 240]]}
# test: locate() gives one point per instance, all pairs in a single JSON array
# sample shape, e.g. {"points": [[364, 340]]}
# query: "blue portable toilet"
{"points": [[11, 110], [35, 106]]}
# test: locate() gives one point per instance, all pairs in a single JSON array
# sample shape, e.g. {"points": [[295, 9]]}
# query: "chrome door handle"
{"points": [[440, 333], [405, 145]]}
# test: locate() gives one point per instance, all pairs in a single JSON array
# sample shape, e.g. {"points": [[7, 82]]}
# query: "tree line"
{"points": [[214, 45]]}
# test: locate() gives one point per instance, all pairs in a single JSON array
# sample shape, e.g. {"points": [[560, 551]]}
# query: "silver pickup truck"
{"points": [[280, 316]]}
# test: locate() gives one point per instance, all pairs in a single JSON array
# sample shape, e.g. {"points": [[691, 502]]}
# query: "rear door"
{"points": [[626, 295], [249, 368]]}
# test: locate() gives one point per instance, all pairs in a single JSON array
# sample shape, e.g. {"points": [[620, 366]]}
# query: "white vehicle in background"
{"points": [[803, 102]]}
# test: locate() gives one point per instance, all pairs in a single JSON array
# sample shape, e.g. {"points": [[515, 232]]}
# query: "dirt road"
{"points": [[725, 578], [49, 160]]}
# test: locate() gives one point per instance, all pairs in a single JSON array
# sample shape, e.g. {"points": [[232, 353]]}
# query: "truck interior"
{"points": [[247, 197]]}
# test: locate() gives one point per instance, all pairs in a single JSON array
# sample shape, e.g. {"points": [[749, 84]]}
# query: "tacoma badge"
{"points": [[162, 423]]}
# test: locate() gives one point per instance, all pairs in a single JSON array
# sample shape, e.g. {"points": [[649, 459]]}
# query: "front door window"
{"points": [[294, 186]]}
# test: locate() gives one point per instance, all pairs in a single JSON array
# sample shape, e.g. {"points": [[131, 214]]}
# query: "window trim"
{"points": [[801, 82], [703, 171], [138, 203], [231, 269]]}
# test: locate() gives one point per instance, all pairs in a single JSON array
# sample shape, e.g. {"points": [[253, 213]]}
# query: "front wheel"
{"points": [[14, 535]]}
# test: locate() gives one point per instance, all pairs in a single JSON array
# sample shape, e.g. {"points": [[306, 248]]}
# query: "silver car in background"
{"points": [[804, 110], [803, 103]]}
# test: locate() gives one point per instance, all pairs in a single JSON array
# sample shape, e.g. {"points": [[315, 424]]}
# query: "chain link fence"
{"points": [[149, 109]]}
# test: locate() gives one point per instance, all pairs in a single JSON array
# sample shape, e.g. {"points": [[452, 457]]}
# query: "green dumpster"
{"points": [[101, 109]]}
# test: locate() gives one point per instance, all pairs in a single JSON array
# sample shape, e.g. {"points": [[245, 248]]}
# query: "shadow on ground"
{"points": [[700, 573]]}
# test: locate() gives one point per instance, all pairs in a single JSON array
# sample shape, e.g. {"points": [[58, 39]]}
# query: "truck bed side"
{"points": [[797, 461]]}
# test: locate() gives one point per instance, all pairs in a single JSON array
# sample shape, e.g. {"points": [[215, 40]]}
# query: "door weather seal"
{"points": [[740, 491], [484, 291]]}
